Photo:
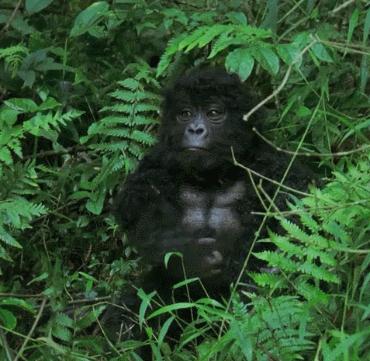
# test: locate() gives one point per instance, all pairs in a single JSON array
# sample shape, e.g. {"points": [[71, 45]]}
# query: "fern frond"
{"points": [[8, 239], [308, 221], [318, 272], [6, 156], [275, 259], [63, 320], [130, 83], [336, 230], [311, 293], [13, 57], [294, 231], [142, 137], [114, 132], [271, 280], [171, 49], [124, 132], [285, 245], [131, 97], [61, 332], [318, 254], [4, 254], [111, 147]]}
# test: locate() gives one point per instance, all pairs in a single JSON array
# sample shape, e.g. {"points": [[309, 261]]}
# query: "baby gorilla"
{"points": [[187, 195]]}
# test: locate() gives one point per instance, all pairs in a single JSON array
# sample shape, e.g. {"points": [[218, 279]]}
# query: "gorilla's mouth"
{"points": [[195, 149]]}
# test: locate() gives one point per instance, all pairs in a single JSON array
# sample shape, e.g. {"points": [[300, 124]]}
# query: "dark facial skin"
{"points": [[200, 125]]}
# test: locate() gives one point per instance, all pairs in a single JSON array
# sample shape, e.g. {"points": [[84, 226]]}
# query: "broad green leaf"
{"points": [[240, 61], [4, 255], [21, 25], [63, 320], [8, 116], [237, 17], [290, 54], [5, 156], [267, 58], [17, 302], [22, 105], [49, 103], [96, 201], [8, 239], [271, 19], [321, 53], [89, 17], [43, 276], [34, 6], [7, 319], [61, 332]]}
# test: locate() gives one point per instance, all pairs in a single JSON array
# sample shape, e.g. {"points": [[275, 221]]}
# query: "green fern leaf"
{"points": [[142, 137], [308, 221], [324, 257], [16, 147], [126, 96], [130, 164], [271, 280], [5, 156], [130, 83], [283, 244], [119, 108], [61, 333], [116, 132], [64, 320], [190, 41], [278, 260], [318, 272], [171, 50], [312, 294], [4, 254], [336, 230], [111, 147], [294, 231], [210, 34], [139, 119], [142, 108], [221, 43], [136, 150], [8, 239]]}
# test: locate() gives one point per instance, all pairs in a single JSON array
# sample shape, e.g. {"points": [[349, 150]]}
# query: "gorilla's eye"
{"points": [[184, 115], [215, 114]]}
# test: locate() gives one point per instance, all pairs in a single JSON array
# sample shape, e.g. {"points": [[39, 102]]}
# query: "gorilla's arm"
{"points": [[146, 208], [142, 189]]}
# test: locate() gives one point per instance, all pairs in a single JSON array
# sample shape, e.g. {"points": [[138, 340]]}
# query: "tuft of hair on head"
{"points": [[204, 82]]}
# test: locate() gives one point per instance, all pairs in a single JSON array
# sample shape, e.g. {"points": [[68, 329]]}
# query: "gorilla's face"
{"points": [[202, 121], [199, 127], [197, 133]]}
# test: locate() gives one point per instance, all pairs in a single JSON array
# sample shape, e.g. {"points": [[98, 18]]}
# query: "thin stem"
{"points": [[37, 319]]}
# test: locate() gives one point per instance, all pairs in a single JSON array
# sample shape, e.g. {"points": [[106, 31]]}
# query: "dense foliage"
{"points": [[79, 105]]}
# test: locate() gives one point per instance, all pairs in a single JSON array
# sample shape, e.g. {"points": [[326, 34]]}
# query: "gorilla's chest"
{"points": [[212, 212]]}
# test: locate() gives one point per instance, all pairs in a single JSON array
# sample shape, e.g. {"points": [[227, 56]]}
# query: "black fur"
{"points": [[198, 202]]}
